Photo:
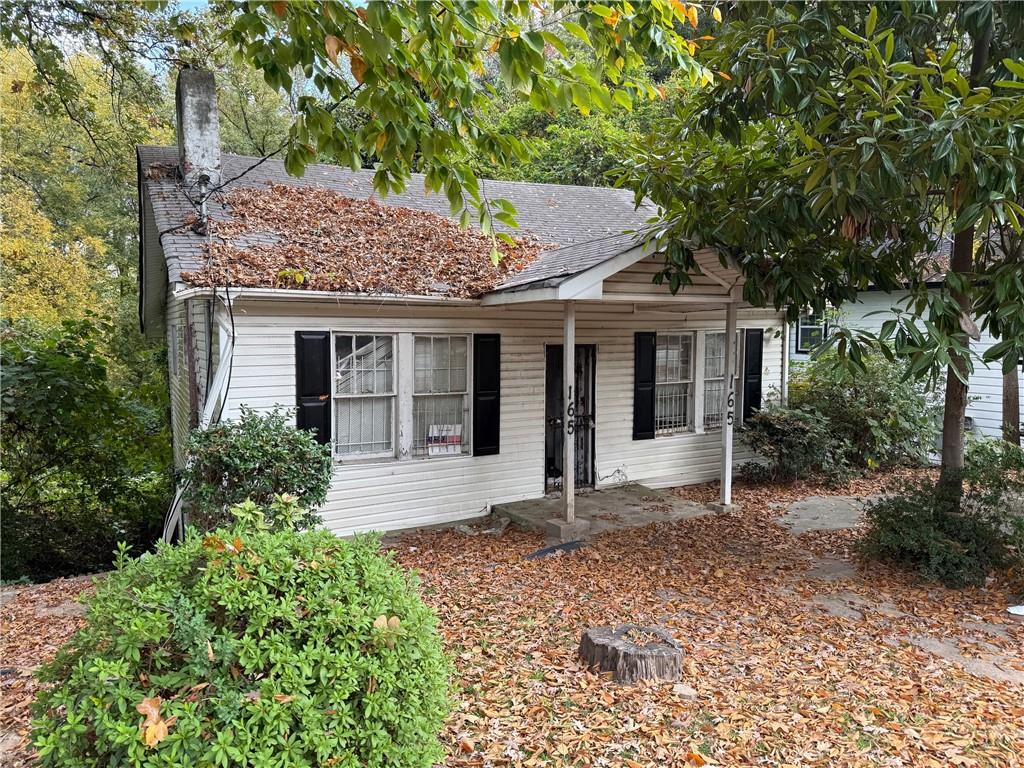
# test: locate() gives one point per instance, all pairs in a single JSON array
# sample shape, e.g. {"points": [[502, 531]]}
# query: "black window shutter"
{"points": [[486, 394], [754, 346], [644, 347], [313, 383]]}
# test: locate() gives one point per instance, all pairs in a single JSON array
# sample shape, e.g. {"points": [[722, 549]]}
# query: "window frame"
{"points": [[801, 324], [392, 453], [467, 398], [689, 424]]}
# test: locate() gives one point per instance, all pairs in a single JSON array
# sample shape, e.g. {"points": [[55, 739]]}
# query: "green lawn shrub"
{"points": [[956, 540], [880, 417], [839, 422], [250, 646], [793, 444], [254, 457]]}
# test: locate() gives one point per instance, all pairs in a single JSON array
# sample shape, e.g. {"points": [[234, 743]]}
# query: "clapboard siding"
{"points": [[985, 387], [639, 278], [399, 494]]}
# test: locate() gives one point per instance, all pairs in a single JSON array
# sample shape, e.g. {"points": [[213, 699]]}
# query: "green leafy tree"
{"points": [[84, 466], [416, 70], [840, 138]]}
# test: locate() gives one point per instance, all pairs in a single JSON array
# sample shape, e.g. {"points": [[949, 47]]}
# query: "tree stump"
{"points": [[633, 652]]}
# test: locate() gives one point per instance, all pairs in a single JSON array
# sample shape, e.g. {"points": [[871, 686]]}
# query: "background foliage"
{"points": [[248, 647], [85, 465], [839, 421]]}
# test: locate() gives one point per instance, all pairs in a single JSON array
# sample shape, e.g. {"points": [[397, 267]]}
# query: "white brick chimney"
{"points": [[198, 127]]}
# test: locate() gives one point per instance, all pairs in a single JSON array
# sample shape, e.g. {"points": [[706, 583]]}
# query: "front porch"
{"points": [[608, 509]]}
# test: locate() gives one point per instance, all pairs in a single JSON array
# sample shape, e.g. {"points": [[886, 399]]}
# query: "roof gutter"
{"points": [[298, 294]]}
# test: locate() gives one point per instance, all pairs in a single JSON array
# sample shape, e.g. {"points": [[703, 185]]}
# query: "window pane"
{"points": [[441, 364], [363, 425], [672, 408], [345, 373], [714, 403], [714, 356], [438, 422]]}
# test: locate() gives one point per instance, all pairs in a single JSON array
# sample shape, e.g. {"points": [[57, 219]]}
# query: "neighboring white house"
{"points": [[441, 400], [985, 386]]}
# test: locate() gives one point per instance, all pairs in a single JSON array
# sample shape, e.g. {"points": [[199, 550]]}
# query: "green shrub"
{"points": [[882, 419], [85, 464], [254, 457], [250, 647], [794, 444], [957, 540]]}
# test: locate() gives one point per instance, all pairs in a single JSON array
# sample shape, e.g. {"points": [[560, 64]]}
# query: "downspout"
{"points": [[784, 394], [213, 408]]}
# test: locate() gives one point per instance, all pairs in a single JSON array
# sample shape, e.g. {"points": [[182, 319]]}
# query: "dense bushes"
{"points": [[84, 465], [880, 417], [250, 647], [952, 539], [794, 443], [839, 421], [255, 457]]}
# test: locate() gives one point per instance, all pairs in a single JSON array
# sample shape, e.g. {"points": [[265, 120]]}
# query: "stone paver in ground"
{"points": [[823, 513]]}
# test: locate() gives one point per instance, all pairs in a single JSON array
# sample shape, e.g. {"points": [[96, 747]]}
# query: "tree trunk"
{"points": [[1011, 407], [962, 262]]}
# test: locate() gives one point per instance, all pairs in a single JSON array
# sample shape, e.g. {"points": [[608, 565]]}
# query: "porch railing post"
{"points": [[568, 414], [729, 417]]}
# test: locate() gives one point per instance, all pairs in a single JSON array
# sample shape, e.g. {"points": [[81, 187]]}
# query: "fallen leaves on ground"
{"points": [[280, 236], [778, 681], [771, 678], [35, 620]]}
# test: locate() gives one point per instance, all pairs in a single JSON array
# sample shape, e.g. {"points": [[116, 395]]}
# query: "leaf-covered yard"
{"points": [[796, 654]]}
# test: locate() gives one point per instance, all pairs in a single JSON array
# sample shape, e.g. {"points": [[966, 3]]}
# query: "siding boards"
{"points": [[399, 494]]}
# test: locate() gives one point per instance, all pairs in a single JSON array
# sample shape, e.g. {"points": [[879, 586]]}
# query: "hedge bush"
{"points": [[250, 647], [255, 457], [793, 444], [880, 417], [957, 540], [838, 422]]}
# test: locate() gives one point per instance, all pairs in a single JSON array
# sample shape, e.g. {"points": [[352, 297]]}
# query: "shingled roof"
{"points": [[581, 226]]}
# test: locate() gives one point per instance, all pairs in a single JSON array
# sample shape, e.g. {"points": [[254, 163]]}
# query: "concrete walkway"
{"points": [[610, 509]]}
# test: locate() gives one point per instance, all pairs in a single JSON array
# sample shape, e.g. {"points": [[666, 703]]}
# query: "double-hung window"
{"points": [[810, 333], [715, 390], [364, 395], [440, 402], [673, 404]]}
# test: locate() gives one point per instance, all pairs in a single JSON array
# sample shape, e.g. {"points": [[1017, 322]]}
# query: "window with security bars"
{"points": [[673, 391], [715, 391], [440, 402], [364, 394]]}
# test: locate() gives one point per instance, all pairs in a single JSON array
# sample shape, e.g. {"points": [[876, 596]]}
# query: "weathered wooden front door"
{"points": [[581, 417]]}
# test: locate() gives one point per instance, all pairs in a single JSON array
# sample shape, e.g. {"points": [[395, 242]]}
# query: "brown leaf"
{"points": [[358, 67], [333, 46]]}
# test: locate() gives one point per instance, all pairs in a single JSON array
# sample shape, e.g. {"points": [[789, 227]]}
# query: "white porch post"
{"points": [[568, 414], [730, 402]]}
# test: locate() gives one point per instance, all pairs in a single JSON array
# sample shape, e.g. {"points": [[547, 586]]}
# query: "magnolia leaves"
{"points": [[154, 728]]}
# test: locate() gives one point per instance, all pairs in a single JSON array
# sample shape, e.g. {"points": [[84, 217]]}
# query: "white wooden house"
{"points": [[437, 405]]}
